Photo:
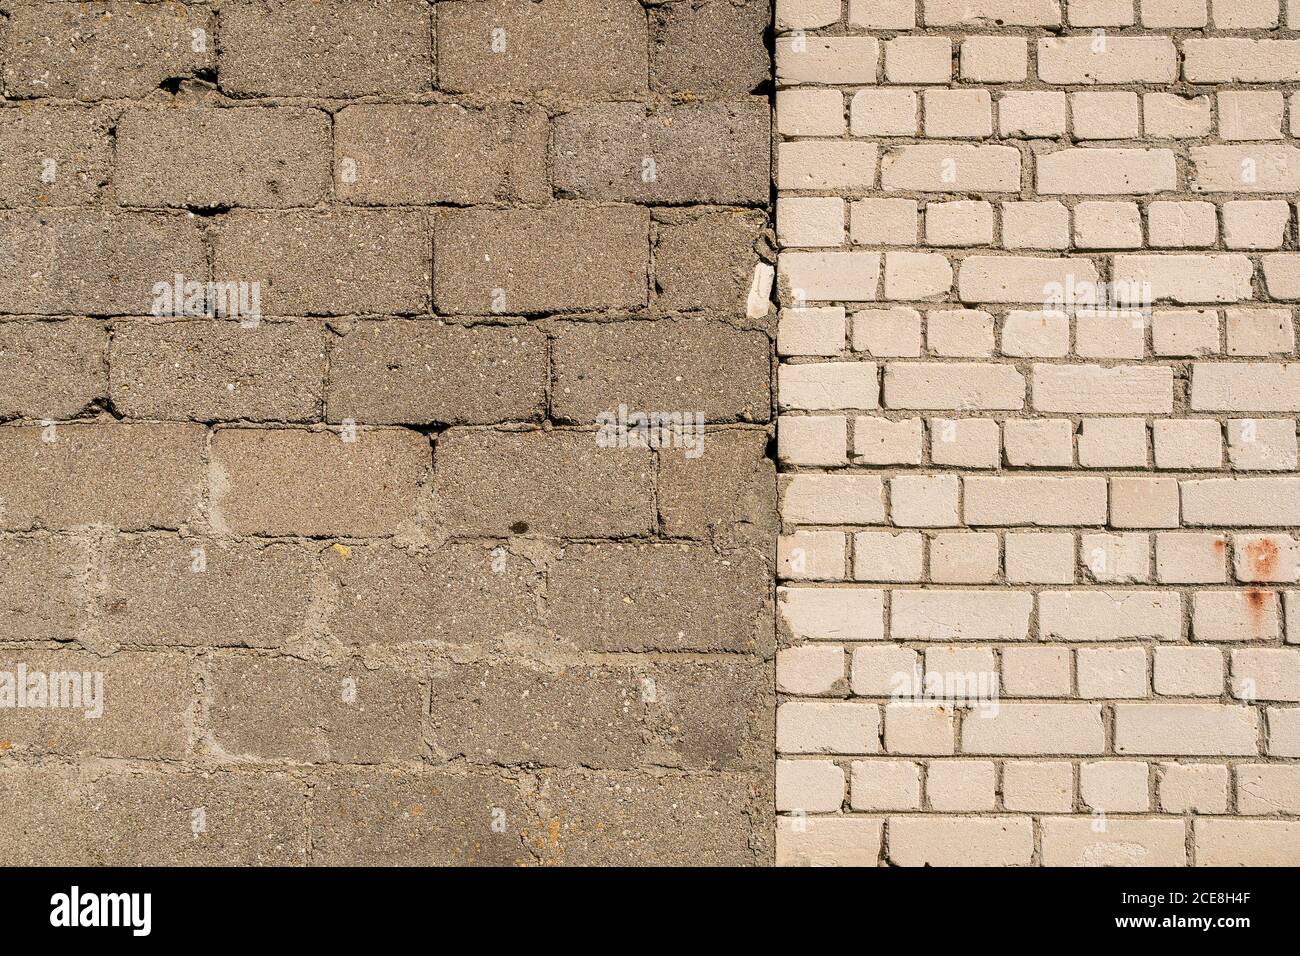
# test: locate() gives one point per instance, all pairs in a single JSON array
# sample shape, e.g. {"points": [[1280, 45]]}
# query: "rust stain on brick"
{"points": [[1263, 555]]}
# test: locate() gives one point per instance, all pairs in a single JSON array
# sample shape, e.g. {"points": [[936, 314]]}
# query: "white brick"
{"points": [[949, 168], [829, 385], [1040, 558], [828, 60], [811, 556], [827, 728], [813, 439], [989, 13], [826, 164], [924, 501], [1038, 787], [1036, 672], [882, 441], [888, 556], [884, 222], [943, 386], [1188, 557], [1193, 788], [810, 112], [813, 786], [960, 841], [918, 59], [1036, 334], [810, 221], [885, 785], [1074, 841], [1035, 501], [1034, 729], [883, 113], [968, 615], [917, 729], [828, 841], [1185, 729], [811, 331], [885, 670], [1109, 615], [1115, 786], [959, 333], [882, 14], [888, 333], [1106, 171], [832, 499], [832, 614], [994, 59], [830, 276], [1069, 60], [1188, 279], [809, 669], [1111, 673], [1188, 672], [916, 275], [1241, 502], [1093, 388], [1020, 280], [965, 442], [960, 786], [1113, 443]]}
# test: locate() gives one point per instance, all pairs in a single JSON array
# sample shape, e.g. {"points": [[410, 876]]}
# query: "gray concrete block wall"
{"points": [[361, 584]]}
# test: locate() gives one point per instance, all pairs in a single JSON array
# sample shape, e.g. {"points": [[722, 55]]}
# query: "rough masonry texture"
{"points": [[1038, 552], [361, 582]]}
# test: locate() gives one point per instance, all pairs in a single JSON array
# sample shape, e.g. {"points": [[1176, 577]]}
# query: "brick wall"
{"points": [[985, 475], [360, 581]]}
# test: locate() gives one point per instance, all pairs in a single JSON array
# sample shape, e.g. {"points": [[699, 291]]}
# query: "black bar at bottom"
{"points": [[333, 906]]}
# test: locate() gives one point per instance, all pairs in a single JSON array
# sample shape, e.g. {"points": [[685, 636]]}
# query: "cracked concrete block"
{"points": [[325, 48], [162, 589], [696, 715], [560, 257], [703, 369], [417, 373], [127, 476], [57, 156], [395, 155], [193, 370], [196, 158], [461, 594], [685, 153], [92, 51], [284, 709], [635, 820], [52, 370], [638, 598], [552, 483], [382, 817], [717, 46], [366, 482], [585, 47], [94, 262], [337, 262], [706, 261], [41, 594], [130, 704]]}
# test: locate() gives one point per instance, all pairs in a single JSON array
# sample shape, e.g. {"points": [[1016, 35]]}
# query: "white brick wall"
{"points": [[1039, 559]]}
